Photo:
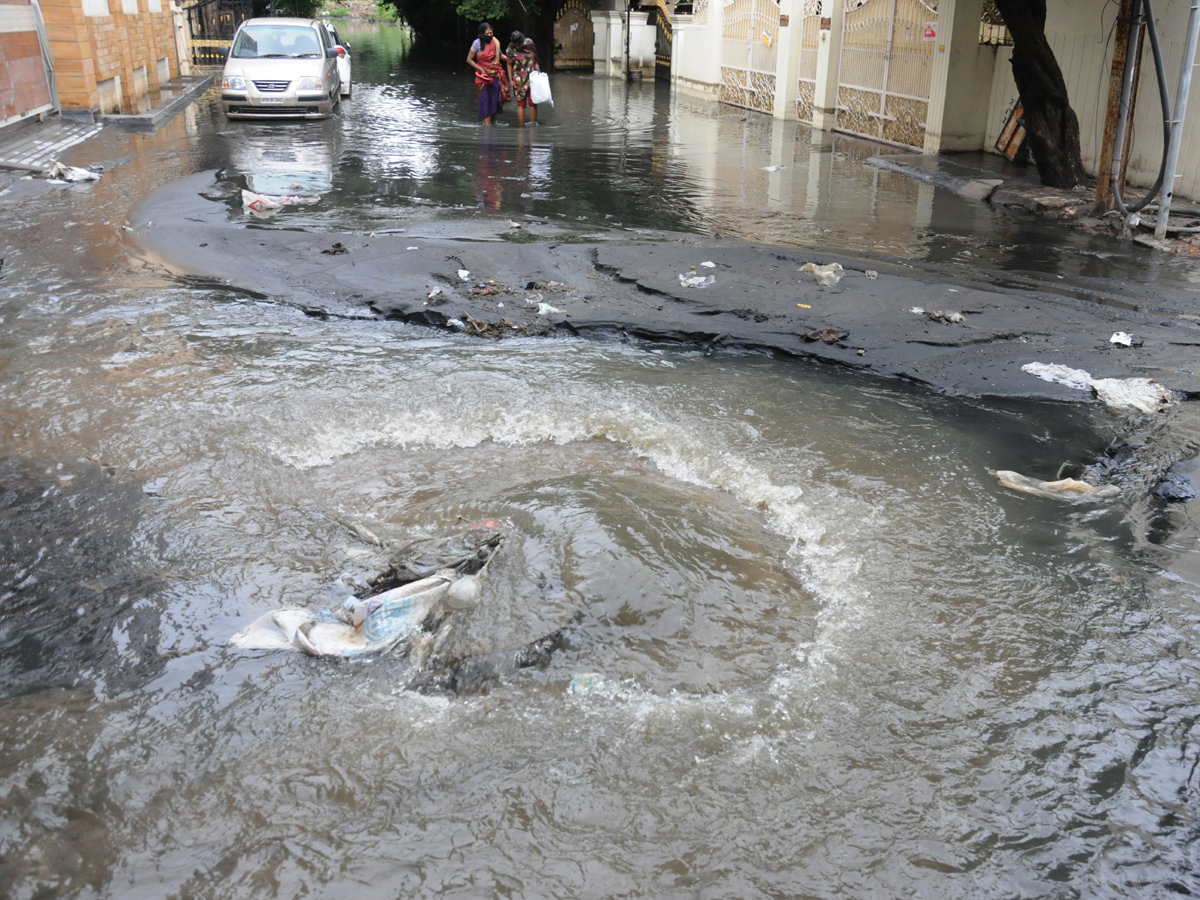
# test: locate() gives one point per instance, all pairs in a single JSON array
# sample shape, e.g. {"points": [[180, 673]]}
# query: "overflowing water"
{"points": [[832, 656]]}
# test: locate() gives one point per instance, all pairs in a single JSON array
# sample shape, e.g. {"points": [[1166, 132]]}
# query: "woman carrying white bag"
{"points": [[539, 83]]}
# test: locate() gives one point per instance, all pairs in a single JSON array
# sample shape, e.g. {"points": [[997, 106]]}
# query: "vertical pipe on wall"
{"points": [[1180, 110]]}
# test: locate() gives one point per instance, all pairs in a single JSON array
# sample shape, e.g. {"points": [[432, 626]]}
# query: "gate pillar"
{"points": [[829, 54], [787, 63], [960, 88]]}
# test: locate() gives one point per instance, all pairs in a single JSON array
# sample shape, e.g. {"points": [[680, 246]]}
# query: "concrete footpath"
{"points": [[885, 317]]}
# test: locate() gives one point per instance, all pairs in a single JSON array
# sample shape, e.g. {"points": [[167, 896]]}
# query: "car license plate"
{"points": [[272, 100]]}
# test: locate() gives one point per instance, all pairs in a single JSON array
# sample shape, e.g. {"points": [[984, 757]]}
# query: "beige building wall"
{"points": [[1080, 34], [109, 55]]}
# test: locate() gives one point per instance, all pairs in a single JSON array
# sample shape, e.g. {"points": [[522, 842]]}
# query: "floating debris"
{"points": [[585, 683], [1063, 489], [60, 172]]}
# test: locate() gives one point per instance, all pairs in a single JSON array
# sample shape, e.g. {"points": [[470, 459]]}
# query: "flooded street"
{"points": [[832, 656]]}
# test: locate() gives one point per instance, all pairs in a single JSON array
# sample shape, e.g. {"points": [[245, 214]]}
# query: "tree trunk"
{"points": [[1051, 128]]}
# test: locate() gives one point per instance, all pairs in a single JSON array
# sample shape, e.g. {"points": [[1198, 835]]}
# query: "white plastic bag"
{"points": [[539, 88]]}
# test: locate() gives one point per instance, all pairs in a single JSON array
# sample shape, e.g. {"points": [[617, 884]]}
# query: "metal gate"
{"points": [[211, 24], [885, 70], [810, 42], [26, 73], [662, 42], [748, 53], [573, 37]]}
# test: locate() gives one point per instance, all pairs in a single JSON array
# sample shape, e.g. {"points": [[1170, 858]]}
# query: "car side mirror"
{"points": [[331, 53]]}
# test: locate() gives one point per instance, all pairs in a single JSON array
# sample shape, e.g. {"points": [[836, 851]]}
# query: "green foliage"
{"points": [[387, 12], [304, 9]]}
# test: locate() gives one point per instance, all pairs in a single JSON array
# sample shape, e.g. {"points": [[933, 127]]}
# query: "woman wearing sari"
{"points": [[487, 61]]}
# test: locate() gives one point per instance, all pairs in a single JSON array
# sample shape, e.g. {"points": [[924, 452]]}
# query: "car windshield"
{"points": [[276, 42]]}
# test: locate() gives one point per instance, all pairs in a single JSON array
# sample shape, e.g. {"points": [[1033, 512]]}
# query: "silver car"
{"points": [[281, 68], [343, 62]]}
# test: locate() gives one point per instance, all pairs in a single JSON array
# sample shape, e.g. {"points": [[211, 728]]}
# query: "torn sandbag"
{"points": [[826, 276], [1140, 394], [268, 203], [383, 621], [1063, 489], [60, 172]]}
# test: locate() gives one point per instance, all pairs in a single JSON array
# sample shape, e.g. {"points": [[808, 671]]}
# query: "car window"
{"points": [[276, 42]]}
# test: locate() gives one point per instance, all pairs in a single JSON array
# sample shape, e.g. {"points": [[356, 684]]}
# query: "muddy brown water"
{"points": [[834, 658]]}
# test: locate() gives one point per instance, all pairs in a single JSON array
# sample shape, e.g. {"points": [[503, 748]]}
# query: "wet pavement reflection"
{"points": [[818, 650]]}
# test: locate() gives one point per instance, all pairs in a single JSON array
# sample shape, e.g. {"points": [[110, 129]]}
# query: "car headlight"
{"points": [[234, 83], [309, 84]]}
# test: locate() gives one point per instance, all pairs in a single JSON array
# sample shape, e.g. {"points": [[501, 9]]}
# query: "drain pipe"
{"points": [[1181, 99], [1143, 17]]}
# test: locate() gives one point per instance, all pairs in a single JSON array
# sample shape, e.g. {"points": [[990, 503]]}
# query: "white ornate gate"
{"points": [[748, 53], [885, 69], [810, 41]]}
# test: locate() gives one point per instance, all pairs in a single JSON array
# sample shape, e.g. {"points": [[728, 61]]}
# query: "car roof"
{"points": [[280, 20]]}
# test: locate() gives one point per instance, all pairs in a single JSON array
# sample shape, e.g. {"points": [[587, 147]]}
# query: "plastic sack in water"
{"points": [[539, 88]]}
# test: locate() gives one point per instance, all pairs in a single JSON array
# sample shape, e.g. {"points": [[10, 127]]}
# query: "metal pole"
{"points": [[1180, 110]]}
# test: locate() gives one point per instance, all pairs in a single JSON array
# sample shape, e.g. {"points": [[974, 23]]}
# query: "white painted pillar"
{"points": [[961, 82], [716, 37], [787, 59], [829, 57]]}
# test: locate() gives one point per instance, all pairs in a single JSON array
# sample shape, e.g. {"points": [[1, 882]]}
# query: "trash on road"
{"points": [[545, 309], [464, 275], [1076, 379], [1063, 489], [1124, 339], [60, 172], [1141, 394], [425, 579], [826, 276], [937, 315], [826, 335], [871, 274], [708, 264], [337, 249], [697, 281], [1125, 394]]}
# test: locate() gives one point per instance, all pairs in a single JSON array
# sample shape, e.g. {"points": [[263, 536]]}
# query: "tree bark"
{"points": [[1051, 127]]}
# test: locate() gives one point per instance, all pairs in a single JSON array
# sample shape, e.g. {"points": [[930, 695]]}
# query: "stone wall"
{"points": [[107, 58]]}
